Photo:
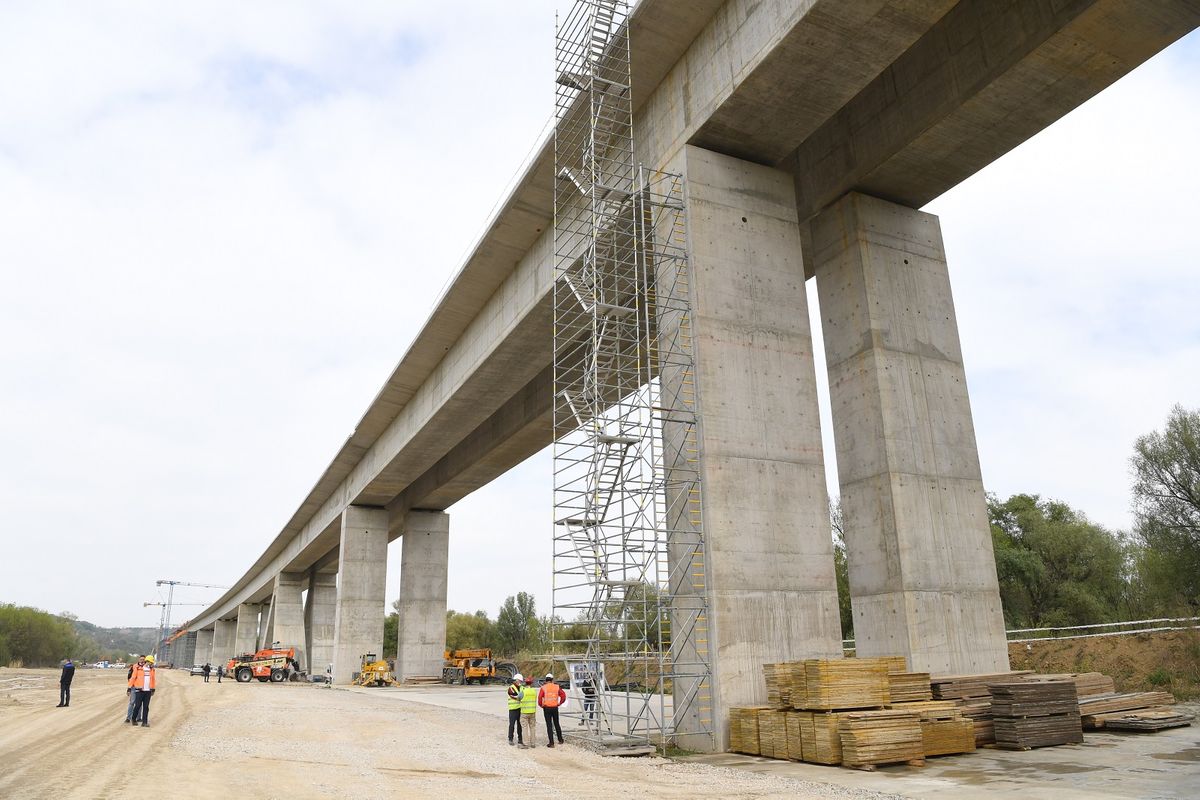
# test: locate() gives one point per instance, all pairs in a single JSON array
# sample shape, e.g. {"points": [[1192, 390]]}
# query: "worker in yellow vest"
{"points": [[514, 709], [529, 709], [142, 683]]}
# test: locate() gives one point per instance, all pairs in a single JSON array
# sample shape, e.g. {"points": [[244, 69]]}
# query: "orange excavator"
{"points": [[274, 664]]}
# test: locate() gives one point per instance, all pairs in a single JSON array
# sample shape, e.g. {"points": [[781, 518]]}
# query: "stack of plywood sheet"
{"points": [[1035, 714], [772, 733], [795, 743], [842, 683], [779, 684], [869, 738], [1086, 683], [1096, 709], [819, 740], [905, 687], [944, 729], [743, 730], [972, 692], [1147, 720]]}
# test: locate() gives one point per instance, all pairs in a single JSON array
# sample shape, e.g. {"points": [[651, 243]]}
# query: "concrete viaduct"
{"points": [[809, 132]]}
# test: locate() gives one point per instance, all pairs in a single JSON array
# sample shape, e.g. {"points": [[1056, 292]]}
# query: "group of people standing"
{"points": [[142, 676], [524, 699]]}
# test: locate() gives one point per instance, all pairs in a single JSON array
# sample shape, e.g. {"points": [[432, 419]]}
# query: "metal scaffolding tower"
{"points": [[630, 593]]}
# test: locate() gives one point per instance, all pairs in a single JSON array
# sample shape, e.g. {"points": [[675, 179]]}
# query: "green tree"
{"points": [[841, 567], [1166, 492], [1055, 567], [468, 631], [515, 624]]}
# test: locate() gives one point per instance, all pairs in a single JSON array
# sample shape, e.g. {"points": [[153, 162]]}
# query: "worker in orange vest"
{"points": [[142, 683], [551, 697]]}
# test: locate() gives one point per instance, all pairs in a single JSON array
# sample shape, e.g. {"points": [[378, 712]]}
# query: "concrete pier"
{"points": [[772, 589], [361, 590], [320, 609], [287, 614], [245, 639], [922, 573], [224, 635], [204, 646], [421, 631]]}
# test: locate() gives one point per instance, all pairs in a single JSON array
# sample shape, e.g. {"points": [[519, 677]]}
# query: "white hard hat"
{"points": [[518, 677], [549, 676]]}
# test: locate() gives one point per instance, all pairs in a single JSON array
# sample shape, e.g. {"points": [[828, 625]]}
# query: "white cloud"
{"points": [[222, 224]]}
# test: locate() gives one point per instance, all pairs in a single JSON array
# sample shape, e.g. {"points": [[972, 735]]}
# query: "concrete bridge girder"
{"points": [[897, 99]]}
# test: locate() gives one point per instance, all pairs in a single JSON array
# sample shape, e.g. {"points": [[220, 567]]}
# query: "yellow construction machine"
{"points": [[464, 666], [375, 672]]}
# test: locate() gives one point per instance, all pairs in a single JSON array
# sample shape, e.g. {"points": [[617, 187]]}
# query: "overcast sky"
{"points": [[222, 224]]}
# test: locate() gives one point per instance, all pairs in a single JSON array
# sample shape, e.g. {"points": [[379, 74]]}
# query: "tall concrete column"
{"points": [[287, 614], [265, 614], [421, 631], [362, 576], [224, 635], [769, 570], [245, 639], [204, 646], [320, 609], [922, 573]]}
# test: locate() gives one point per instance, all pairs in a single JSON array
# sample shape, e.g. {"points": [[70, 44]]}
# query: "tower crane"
{"points": [[164, 622]]}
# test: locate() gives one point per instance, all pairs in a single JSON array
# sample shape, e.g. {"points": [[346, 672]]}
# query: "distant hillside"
{"points": [[123, 640]]}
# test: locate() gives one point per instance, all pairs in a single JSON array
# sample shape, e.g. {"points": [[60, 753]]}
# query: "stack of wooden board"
{"points": [[1029, 714], [842, 683], [772, 733], [795, 742], [1086, 683], [743, 730], [869, 738], [944, 729], [906, 687], [1097, 709], [779, 684], [972, 692], [819, 740], [1147, 720]]}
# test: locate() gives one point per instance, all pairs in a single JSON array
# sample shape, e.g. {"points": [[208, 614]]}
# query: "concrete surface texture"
{"points": [[204, 646], [320, 610], [245, 637], [893, 98], [768, 548], [421, 627], [287, 614], [224, 634], [362, 575], [922, 573]]}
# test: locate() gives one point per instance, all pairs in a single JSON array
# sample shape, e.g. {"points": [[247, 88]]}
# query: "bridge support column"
{"points": [[362, 576], [320, 610], [421, 631], [770, 579], [287, 614], [266, 613], [204, 646], [245, 640], [922, 572], [224, 635]]}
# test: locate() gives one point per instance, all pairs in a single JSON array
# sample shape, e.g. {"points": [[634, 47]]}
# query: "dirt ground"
{"points": [[297, 741], [1166, 660]]}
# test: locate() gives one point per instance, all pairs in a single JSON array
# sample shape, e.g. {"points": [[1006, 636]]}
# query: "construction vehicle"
{"points": [[275, 664], [375, 672], [465, 666]]}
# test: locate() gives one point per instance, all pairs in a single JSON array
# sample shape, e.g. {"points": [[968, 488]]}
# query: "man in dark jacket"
{"points": [[64, 684]]}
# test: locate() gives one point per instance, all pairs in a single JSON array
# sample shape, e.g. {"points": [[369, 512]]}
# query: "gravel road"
{"points": [[293, 741]]}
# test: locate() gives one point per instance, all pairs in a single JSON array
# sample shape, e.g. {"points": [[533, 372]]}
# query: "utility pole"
{"points": [[164, 621]]}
